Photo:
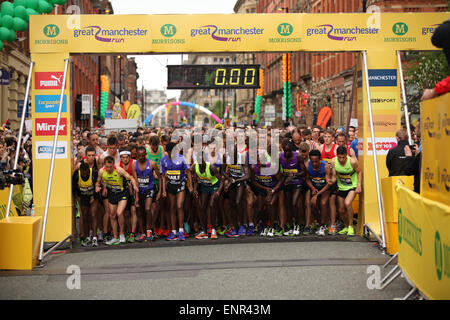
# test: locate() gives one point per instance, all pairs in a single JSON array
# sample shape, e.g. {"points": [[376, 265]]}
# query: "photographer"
{"points": [[397, 162]]}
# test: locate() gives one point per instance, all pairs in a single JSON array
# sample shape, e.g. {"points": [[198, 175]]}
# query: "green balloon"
{"points": [[19, 24], [21, 12], [7, 22], [44, 7], [7, 9], [12, 36], [18, 3], [31, 12], [33, 4], [4, 33]]}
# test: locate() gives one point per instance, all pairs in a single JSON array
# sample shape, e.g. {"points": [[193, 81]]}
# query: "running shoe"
{"points": [[271, 233], [201, 235], [88, 242], [296, 230], [83, 242], [113, 242], [279, 232], [141, 238], [221, 230], [158, 231], [321, 231], [264, 232], [232, 234], [94, 242], [241, 231], [172, 237], [343, 231], [307, 231], [131, 238], [187, 228], [181, 236], [209, 231], [251, 231], [100, 236], [149, 236], [214, 234], [351, 231], [286, 232], [122, 238], [332, 231]]}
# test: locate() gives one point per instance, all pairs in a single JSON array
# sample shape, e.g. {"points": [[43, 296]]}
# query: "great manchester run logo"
{"points": [[118, 35], [225, 34], [340, 34]]}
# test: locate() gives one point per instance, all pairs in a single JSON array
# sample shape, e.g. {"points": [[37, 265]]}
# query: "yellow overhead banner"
{"points": [[424, 243], [233, 32]]}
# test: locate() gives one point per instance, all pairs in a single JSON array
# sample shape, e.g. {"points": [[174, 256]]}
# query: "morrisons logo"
{"points": [[51, 30], [285, 29], [168, 30], [400, 28]]}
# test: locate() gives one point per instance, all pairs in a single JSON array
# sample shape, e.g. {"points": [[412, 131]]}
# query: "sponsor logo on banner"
{"points": [[438, 257], [384, 123], [47, 126], [51, 31], [445, 179], [117, 35], [225, 34], [48, 80], [446, 124], [168, 31], [49, 103], [380, 78], [430, 178], [340, 34], [430, 29], [400, 29], [44, 150], [410, 232], [429, 127], [285, 30], [383, 145]]}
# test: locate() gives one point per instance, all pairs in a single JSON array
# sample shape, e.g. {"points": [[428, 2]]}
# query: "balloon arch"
{"points": [[182, 104]]}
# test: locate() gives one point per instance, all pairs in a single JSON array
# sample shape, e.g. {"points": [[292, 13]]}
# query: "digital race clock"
{"points": [[213, 76]]}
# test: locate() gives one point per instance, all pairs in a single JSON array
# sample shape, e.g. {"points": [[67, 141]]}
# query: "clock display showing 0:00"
{"points": [[239, 76]]}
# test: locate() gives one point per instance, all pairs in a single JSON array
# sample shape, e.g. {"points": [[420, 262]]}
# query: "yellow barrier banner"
{"points": [[4, 194], [435, 127], [233, 32], [424, 243]]}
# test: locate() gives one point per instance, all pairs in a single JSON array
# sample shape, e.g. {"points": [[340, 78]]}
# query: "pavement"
{"points": [[284, 268]]}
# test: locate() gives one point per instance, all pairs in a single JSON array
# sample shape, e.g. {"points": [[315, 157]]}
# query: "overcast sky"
{"points": [[152, 68]]}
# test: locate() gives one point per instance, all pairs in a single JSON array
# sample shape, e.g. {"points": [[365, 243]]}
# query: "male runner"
{"points": [[113, 177], [346, 171]]}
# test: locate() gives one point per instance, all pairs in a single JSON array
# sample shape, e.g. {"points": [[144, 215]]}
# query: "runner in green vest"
{"points": [[346, 171], [207, 188]]}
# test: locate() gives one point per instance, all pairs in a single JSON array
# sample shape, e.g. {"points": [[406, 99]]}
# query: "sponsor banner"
{"points": [[48, 80], [47, 127], [384, 122], [20, 109], [233, 32], [380, 78], [435, 127], [424, 243], [44, 149], [383, 145], [49, 103]]}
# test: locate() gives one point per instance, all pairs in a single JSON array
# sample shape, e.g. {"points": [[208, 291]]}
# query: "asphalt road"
{"points": [[249, 268]]}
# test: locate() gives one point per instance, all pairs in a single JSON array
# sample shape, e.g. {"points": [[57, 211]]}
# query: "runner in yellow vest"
{"points": [[346, 171]]}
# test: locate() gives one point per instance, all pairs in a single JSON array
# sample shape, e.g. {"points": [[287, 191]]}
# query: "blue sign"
{"points": [[4, 77], [108, 114], [20, 109], [380, 78], [49, 103]]}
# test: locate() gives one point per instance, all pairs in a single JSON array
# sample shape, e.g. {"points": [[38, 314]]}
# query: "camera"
{"points": [[8, 177]]}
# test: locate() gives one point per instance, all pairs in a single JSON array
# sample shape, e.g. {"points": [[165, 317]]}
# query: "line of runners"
{"points": [[134, 188]]}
